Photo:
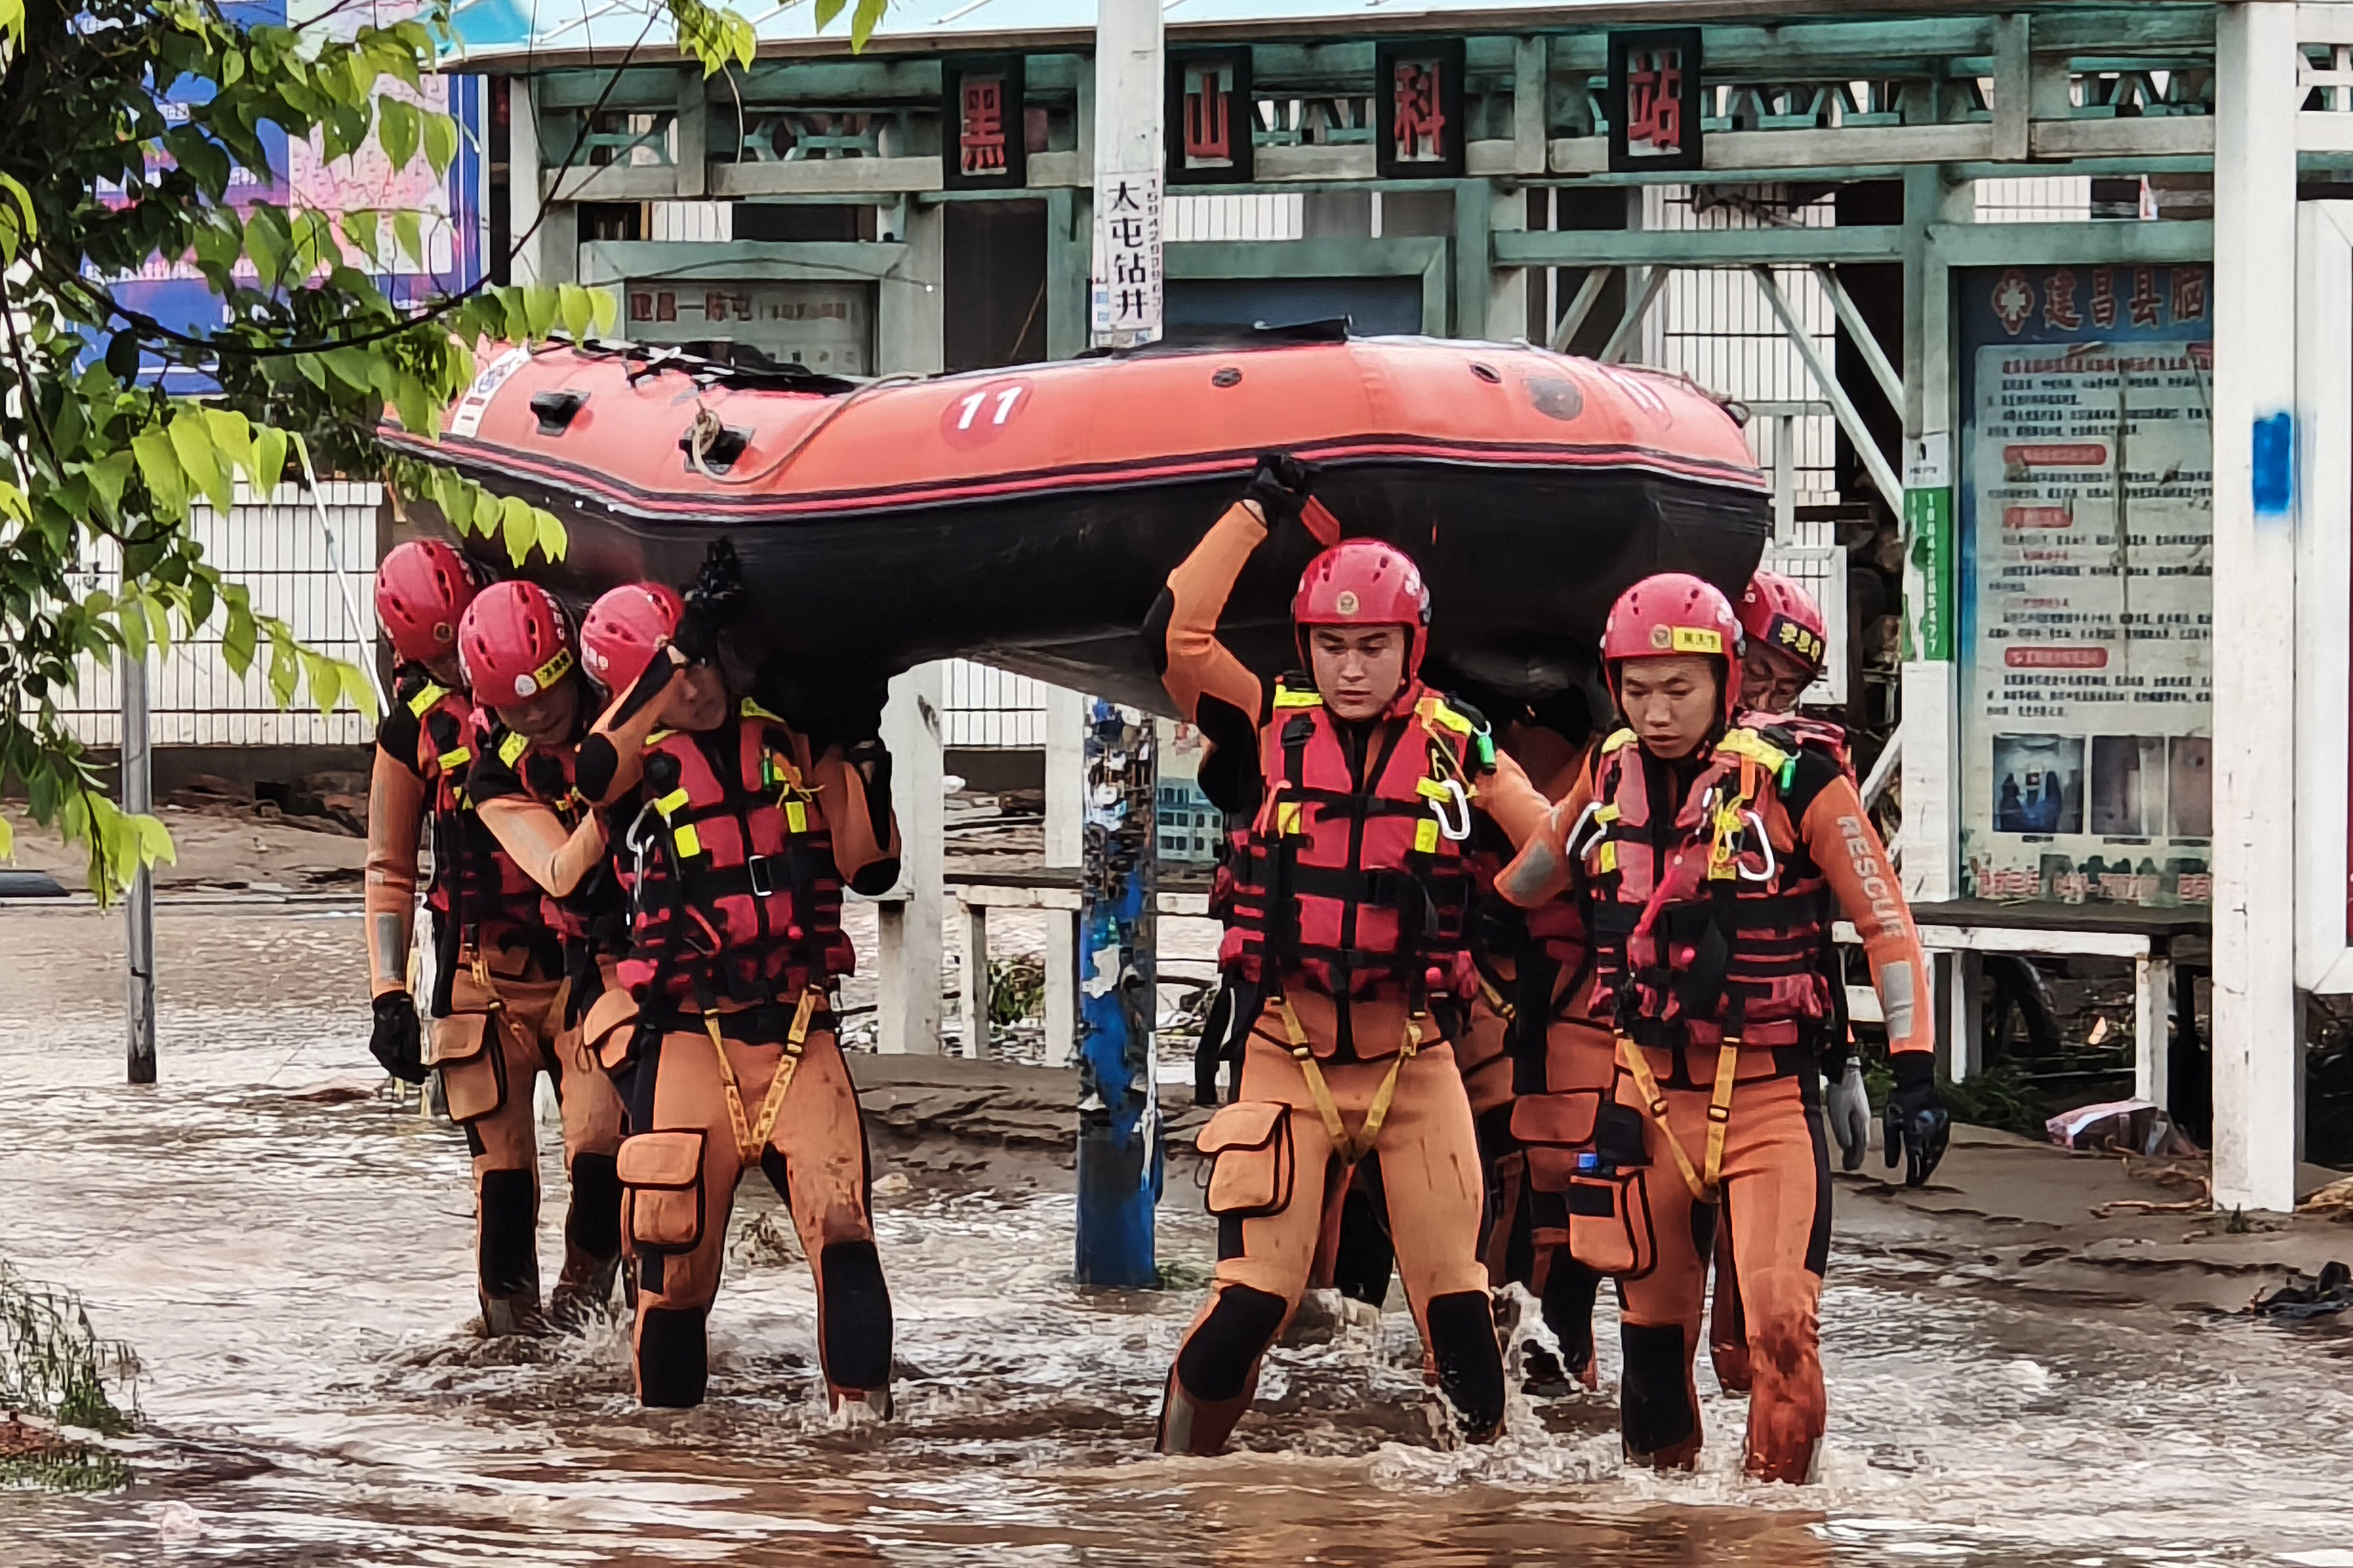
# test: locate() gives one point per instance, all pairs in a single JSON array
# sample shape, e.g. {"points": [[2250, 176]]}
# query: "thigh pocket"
{"points": [[1250, 1170], [467, 1050], [1555, 1128], [662, 1177], [606, 1033], [1609, 1221]]}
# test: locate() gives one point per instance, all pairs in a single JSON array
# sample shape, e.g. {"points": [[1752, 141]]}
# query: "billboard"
{"points": [[2086, 584]]}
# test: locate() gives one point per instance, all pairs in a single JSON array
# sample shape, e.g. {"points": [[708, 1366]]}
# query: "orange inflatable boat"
{"points": [[1029, 516]]}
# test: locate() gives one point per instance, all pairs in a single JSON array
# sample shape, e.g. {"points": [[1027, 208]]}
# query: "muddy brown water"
{"points": [[292, 1265]]}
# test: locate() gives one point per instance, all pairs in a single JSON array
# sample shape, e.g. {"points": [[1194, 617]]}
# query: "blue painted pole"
{"points": [[1119, 1107]]}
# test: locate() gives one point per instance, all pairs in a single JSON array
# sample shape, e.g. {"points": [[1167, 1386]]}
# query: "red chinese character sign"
{"points": [[984, 125], [1653, 100], [1210, 117], [1417, 98]]}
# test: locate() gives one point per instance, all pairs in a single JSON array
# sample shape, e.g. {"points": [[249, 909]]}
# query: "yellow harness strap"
{"points": [[497, 1008], [1702, 1180], [1351, 1147], [750, 1137]]}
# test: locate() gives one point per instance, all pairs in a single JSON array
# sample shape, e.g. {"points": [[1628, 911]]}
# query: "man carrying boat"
{"points": [[735, 867], [1712, 849], [1347, 942], [524, 788]]}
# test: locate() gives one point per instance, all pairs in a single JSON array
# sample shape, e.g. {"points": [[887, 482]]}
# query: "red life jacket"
{"points": [[1705, 924], [476, 887], [730, 868], [1348, 885], [595, 908]]}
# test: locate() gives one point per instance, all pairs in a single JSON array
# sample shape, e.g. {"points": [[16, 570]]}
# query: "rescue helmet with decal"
{"points": [[1365, 582], [1777, 613], [422, 590], [624, 629], [1675, 613], [514, 643]]}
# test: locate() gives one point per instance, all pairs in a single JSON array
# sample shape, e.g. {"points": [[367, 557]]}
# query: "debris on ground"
{"points": [[2328, 1294], [2334, 1201], [2131, 1126]]}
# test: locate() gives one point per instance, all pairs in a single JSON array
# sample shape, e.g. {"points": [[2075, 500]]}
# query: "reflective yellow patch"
{"points": [[1748, 743], [1425, 835], [669, 803], [1432, 789], [425, 700], [450, 761], [1697, 639], [795, 817], [1606, 813], [512, 748], [751, 709], [689, 842], [1286, 698], [1617, 742], [1605, 860], [1447, 716], [1286, 819], [554, 670]]}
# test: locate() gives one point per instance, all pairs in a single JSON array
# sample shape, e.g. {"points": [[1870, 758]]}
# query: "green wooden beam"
{"points": [[2118, 242], [1696, 248], [738, 260], [1474, 201], [1411, 257]]}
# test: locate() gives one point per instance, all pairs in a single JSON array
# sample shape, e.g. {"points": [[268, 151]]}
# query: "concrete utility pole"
{"points": [[2258, 1043], [139, 910], [1129, 161], [908, 917], [1119, 1107]]}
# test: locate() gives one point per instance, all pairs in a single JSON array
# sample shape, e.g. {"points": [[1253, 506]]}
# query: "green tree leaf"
{"points": [[396, 130], [158, 468], [522, 527], [440, 141], [268, 459], [200, 462], [578, 309]]}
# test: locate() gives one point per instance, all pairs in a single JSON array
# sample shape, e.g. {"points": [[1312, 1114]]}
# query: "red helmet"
{"points": [[623, 631], [514, 643], [422, 590], [1674, 613], [1365, 582], [1776, 613]]}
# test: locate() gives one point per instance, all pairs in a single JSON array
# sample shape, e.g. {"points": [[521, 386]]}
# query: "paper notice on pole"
{"points": [[1127, 273], [2087, 599]]}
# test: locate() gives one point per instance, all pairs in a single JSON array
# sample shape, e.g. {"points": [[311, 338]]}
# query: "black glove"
{"points": [[712, 602], [1280, 487], [396, 1041], [1917, 1121]]}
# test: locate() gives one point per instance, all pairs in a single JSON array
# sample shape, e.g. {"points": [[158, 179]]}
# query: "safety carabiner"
{"points": [[1569, 844], [1462, 803], [1765, 842]]}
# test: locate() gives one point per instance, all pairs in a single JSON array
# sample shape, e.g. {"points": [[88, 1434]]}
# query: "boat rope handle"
{"points": [[708, 424]]}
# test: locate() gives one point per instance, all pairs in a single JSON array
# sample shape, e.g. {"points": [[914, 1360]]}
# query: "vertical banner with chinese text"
{"points": [[981, 102], [2086, 598], [1420, 132], [1653, 101]]}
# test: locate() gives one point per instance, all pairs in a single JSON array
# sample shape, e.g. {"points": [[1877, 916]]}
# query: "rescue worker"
{"points": [[735, 867], [1347, 941], [490, 944], [1706, 847], [1784, 648], [524, 789]]}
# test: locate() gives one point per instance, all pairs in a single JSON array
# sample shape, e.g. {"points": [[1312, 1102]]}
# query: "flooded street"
{"points": [[290, 1258]]}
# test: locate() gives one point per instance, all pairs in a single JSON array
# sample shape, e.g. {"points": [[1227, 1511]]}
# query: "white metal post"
{"points": [[2152, 1028], [139, 910], [973, 991], [2258, 1049], [1066, 787], [1130, 88], [909, 916], [523, 227]]}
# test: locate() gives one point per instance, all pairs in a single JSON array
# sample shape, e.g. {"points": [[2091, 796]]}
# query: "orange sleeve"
{"points": [[628, 738], [1838, 834], [1511, 802], [556, 857], [388, 896], [1200, 664], [1540, 873], [841, 794]]}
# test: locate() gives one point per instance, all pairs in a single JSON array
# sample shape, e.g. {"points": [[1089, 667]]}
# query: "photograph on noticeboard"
{"points": [[2085, 561]]}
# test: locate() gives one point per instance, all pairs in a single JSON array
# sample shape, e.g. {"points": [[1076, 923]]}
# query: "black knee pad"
{"points": [[1569, 1290], [1470, 1363], [857, 1316], [510, 1260], [1654, 1404], [673, 1356], [593, 1224], [1215, 1361]]}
